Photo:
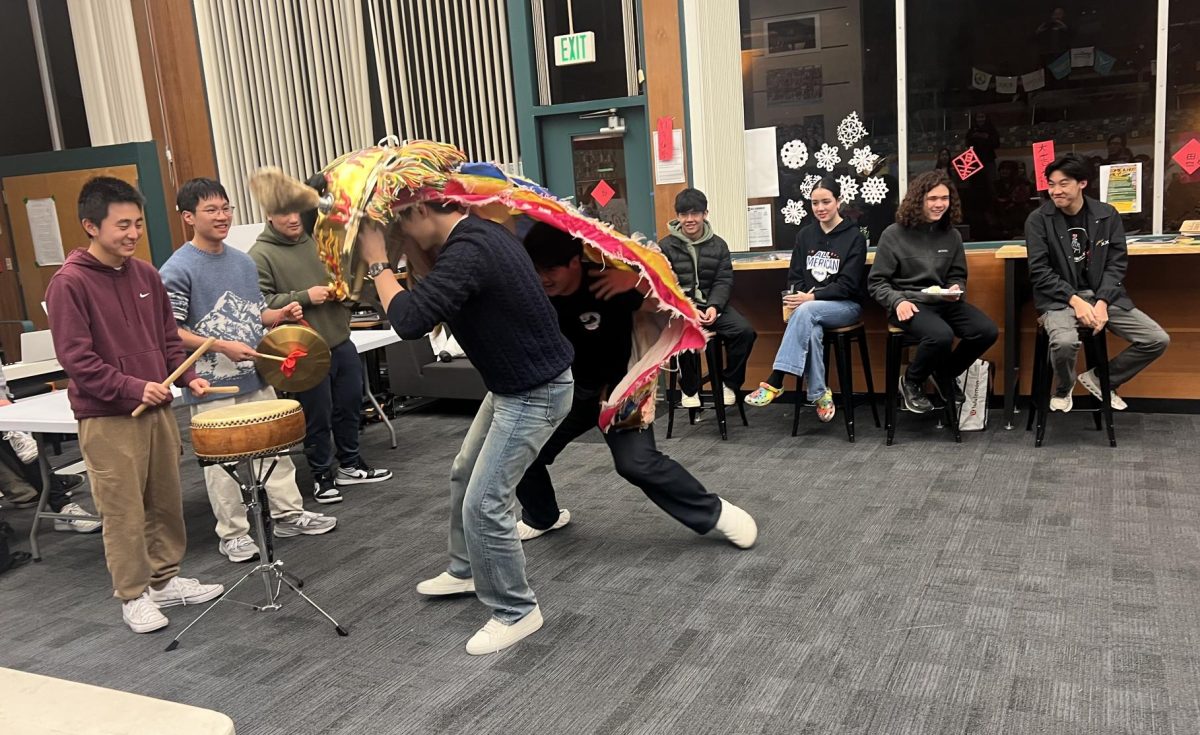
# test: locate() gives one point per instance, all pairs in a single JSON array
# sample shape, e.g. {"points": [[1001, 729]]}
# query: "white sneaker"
{"points": [[496, 636], [238, 549], [305, 522], [736, 525], [184, 591], [1092, 383], [142, 615], [80, 526], [729, 395], [23, 444], [526, 532], [446, 584], [690, 401], [1062, 403]]}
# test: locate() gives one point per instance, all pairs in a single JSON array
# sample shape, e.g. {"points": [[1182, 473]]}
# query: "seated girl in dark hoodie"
{"points": [[826, 284]]}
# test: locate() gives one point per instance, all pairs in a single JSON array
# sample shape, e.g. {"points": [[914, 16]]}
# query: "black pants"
{"points": [[738, 337], [936, 325], [32, 474], [333, 410], [637, 460]]}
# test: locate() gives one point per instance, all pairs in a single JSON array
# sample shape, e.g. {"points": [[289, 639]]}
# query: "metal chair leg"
{"points": [[865, 355], [845, 377], [894, 346]]}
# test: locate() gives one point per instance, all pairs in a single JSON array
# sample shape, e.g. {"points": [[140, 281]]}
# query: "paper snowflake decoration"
{"points": [[828, 157], [851, 130], [794, 154], [849, 187], [794, 212], [863, 160], [810, 182], [874, 190]]}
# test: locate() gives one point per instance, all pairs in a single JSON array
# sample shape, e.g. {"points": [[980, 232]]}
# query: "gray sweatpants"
{"points": [[1147, 341]]}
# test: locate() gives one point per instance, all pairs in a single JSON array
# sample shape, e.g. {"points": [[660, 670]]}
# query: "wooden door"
{"points": [[63, 187]]}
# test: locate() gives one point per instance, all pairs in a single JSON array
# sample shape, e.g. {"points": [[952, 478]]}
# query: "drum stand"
{"points": [[254, 497]]}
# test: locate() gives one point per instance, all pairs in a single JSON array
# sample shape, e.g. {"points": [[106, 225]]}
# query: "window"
{"points": [[999, 77], [1181, 198], [612, 74], [806, 66]]}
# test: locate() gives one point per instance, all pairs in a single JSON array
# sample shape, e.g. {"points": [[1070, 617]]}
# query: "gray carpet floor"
{"points": [[922, 588]]}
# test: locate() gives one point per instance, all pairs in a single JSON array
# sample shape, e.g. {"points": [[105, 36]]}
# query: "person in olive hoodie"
{"points": [[291, 270], [1077, 263], [701, 262], [826, 284], [921, 260], [116, 338]]}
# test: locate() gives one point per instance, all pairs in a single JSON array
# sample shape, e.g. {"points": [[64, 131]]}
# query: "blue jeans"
{"points": [[504, 439], [804, 340], [333, 412]]}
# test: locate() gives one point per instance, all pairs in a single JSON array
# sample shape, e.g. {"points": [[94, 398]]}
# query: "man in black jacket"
{"points": [[1077, 263], [705, 271]]}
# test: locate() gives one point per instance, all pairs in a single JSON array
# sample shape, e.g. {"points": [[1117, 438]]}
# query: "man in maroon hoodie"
{"points": [[116, 338]]}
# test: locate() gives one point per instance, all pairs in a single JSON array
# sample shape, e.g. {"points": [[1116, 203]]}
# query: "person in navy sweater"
{"points": [[483, 285], [825, 290]]}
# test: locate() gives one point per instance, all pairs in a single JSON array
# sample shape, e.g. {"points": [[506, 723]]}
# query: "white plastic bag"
{"points": [[975, 384]]}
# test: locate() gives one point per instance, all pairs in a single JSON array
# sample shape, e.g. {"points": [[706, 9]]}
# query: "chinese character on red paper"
{"points": [[968, 164], [603, 193], [1188, 156]]}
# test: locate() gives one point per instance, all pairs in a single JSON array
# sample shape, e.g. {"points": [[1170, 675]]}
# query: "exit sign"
{"points": [[575, 48]]}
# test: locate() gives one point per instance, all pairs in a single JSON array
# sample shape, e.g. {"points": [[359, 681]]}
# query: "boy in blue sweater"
{"points": [[484, 286]]}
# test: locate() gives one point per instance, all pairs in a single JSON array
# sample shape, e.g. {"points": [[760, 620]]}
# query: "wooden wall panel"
{"points": [[11, 306], [664, 89], [174, 81], [1158, 284]]}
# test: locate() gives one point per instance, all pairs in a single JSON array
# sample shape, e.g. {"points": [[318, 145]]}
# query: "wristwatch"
{"points": [[376, 268]]}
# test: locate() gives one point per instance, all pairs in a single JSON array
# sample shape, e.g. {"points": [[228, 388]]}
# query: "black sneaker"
{"points": [[360, 474], [914, 398], [325, 490]]}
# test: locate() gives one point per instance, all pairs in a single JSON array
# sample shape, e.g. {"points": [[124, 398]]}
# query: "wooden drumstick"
{"points": [[221, 389], [183, 368], [276, 358]]}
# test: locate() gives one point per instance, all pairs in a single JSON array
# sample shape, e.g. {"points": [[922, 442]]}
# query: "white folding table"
{"points": [[366, 340]]}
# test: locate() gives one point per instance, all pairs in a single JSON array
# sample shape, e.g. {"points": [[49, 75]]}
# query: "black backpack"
{"points": [[8, 558]]}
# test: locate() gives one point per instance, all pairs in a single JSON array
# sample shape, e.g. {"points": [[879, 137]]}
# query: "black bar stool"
{"points": [[713, 379], [898, 341], [839, 339], [1095, 350]]}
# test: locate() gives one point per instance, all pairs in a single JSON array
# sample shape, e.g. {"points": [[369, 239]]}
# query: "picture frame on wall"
{"points": [[795, 85], [792, 34]]}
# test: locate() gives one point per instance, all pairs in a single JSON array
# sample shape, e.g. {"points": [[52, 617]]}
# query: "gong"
{"points": [[292, 358]]}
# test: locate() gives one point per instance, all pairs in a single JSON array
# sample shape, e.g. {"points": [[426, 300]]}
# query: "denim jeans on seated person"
{"points": [[504, 439], [803, 343]]}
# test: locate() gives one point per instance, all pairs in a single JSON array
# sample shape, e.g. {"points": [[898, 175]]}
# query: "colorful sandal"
{"points": [[762, 395], [825, 407]]}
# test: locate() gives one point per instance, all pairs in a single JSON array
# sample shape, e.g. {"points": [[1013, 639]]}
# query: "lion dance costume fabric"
{"points": [[378, 182]]}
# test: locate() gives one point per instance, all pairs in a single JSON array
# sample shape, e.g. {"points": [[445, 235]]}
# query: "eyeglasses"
{"points": [[214, 211]]}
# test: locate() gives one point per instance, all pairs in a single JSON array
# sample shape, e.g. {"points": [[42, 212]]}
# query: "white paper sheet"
{"points": [[758, 219], [672, 171], [762, 168], [43, 225]]}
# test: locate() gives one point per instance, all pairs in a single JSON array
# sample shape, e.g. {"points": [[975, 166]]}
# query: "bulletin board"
{"points": [[63, 188]]}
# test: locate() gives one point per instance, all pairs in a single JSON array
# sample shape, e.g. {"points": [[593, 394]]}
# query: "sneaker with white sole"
{"points": [[526, 531], [736, 525], [304, 523], [325, 490], [142, 615], [446, 584], [360, 474], [238, 549], [184, 591], [496, 636], [1092, 383], [23, 444], [729, 395], [1062, 403], [690, 400], [83, 525]]}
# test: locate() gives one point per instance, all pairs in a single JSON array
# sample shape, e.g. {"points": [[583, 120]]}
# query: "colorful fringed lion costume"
{"points": [[378, 182]]}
